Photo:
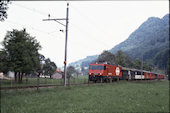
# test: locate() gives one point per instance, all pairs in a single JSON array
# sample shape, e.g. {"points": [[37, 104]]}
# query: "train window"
{"points": [[139, 73], [124, 72], [96, 67], [132, 72]]}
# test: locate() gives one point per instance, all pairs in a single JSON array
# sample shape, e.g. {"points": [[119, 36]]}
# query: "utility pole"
{"points": [[66, 35], [65, 60]]}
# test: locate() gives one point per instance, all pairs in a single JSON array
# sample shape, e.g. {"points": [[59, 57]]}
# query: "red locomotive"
{"points": [[105, 72]]}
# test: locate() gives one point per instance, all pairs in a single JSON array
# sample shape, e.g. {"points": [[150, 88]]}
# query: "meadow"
{"points": [[122, 96], [33, 81]]}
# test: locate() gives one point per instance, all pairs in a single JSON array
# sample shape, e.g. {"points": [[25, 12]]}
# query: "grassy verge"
{"points": [[106, 98], [33, 81]]}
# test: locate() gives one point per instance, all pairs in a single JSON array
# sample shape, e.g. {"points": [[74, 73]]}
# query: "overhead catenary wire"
{"points": [[33, 28], [31, 9], [44, 13], [90, 21], [37, 12], [87, 35]]}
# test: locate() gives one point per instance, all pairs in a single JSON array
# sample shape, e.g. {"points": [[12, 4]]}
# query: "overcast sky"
{"points": [[94, 26]]}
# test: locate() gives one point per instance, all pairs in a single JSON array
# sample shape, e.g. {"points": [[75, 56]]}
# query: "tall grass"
{"points": [[33, 81], [104, 98]]}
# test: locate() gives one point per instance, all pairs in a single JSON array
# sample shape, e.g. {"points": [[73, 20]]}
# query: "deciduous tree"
{"points": [[70, 70], [21, 52], [106, 56], [49, 67], [123, 59], [3, 10]]}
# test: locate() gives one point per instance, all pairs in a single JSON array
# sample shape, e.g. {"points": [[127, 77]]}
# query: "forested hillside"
{"points": [[84, 62], [149, 42]]}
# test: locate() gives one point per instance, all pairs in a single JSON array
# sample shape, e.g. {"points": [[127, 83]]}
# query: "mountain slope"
{"points": [[84, 62], [149, 41]]}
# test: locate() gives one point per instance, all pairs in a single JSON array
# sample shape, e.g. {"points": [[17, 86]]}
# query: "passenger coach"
{"points": [[105, 72]]}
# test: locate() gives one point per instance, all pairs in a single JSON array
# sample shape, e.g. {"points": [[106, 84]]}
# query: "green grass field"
{"points": [[33, 81], [115, 97]]}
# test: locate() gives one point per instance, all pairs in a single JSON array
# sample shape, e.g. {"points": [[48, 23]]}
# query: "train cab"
{"points": [[104, 72]]}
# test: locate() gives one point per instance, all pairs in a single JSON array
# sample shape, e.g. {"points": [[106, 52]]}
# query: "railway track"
{"points": [[53, 85], [25, 87], [36, 86]]}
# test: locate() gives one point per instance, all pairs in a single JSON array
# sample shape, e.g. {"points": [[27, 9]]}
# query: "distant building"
{"points": [[3, 77], [44, 76], [57, 74], [10, 74], [58, 70]]}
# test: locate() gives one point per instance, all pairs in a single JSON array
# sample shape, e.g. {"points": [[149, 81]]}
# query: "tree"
{"points": [[160, 59], [146, 67], [106, 56], [168, 68], [70, 71], [21, 53], [3, 61], [84, 71], [49, 67], [137, 64], [122, 59], [3, 10]]}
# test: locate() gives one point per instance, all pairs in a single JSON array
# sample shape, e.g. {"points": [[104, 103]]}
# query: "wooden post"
{"points": [[11, 82], [118, 79], [38, 81], [45, 80], [26, 76], [110, 80], [74, 81], [101, 80], [69, 82], [60, 81]]}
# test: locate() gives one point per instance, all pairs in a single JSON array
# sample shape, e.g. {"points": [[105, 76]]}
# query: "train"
{"points": [[106, 72]]}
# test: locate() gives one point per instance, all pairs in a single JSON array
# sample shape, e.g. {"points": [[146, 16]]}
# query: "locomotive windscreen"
{"points": [[96, 67]]}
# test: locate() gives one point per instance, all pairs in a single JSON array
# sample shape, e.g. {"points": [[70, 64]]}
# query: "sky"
{"points": [[94, 26]]}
